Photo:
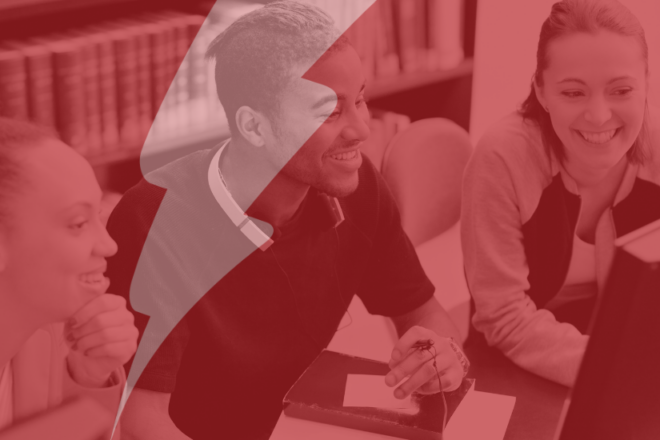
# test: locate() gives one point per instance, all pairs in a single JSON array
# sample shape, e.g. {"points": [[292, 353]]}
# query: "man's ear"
{"points": [[252, 125]]}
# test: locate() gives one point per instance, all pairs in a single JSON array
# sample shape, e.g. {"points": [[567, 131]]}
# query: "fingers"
{"points": [[118, 350], [413, 358], [101, 304], [114, 318], [117, 342], [409, 365], [405, 344], [415, 363], [103, 328], [423, 375]]}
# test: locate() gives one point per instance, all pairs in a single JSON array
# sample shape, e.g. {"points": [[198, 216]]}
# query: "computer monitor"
{"points": [[617, 392]]}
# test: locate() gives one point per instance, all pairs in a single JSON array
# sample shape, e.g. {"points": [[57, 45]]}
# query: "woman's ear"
{"points": [[252, 126]]}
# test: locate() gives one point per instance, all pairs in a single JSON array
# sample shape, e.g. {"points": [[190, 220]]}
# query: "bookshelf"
{"points": [[409, 81], [428, 92]]}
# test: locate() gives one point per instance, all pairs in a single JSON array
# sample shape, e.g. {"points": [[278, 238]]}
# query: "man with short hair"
{"points": [[271, 233]]}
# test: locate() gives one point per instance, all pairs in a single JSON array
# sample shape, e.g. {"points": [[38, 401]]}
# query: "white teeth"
{"points": [[345, 156], [92, 278], [598, 138]]}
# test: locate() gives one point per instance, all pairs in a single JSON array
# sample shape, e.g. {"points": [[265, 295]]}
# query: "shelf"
{"points": [[165, 146], [378, 89], [19, 9], [400, 83]]}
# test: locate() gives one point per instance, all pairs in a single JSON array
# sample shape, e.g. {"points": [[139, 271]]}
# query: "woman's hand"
{"points": [[412, 360], [102, 338]]}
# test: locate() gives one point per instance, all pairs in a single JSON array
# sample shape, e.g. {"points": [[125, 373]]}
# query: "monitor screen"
{"points": [[617, 393]]}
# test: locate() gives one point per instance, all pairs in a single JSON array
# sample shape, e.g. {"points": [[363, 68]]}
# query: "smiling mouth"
{"points": [[600, 137], [94, 280], [345, 156]]}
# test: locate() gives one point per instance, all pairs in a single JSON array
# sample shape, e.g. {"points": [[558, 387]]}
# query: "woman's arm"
{"points": [[146, 417], [496, 266]]}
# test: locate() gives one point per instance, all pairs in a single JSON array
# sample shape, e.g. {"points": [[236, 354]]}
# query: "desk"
{"points": [[539, 402], [535, 416]]}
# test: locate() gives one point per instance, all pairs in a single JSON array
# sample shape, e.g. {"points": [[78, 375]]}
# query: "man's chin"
{"points": [[340, 191]]}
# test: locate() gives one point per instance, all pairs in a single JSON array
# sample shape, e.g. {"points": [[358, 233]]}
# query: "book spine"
{"points": [[198, 74], [170, 98], [92, 99], [387, 59], [41, 99], [368, 33], [69, 94], [13, 85], [181, 84], [405, 12], [421, 35], [161, 36], [445, 32], [145, 99], [125, 50], [108, 90]]}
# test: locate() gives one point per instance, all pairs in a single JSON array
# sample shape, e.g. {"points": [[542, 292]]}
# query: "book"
{"points": [[92, 92], [126, 65], [163, 61], [39, 82], [100, 43], [181, 65], [318, 396], [198, 72], [68, 86], [445, 33], [143, 67], [387, 57], [13, 80], [405, 15]]}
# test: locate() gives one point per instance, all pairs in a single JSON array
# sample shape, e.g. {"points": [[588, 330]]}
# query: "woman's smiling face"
{"points": [[54, 244], [595, 92]]}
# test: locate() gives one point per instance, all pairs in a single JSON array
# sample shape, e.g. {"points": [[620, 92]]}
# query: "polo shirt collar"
{"points": [[242, 221]]}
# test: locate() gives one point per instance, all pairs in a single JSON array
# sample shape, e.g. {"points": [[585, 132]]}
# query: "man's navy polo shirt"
{"points": [[230, 361]]}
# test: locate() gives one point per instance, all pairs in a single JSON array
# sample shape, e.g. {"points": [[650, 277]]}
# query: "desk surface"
{"points": [[538, 407], [539, 402]]}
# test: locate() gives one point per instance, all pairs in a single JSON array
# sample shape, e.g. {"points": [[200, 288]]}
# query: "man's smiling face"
{"points": [[322, 122]]}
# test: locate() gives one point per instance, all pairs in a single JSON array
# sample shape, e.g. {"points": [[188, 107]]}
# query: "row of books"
{"points": [[101, 87], [395, 36], [113, 85]]}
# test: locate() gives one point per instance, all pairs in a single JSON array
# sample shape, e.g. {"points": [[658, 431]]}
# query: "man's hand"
{"points": [[417, 364], [102, 338]]}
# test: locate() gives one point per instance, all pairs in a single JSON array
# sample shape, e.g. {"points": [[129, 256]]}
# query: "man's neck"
{"points": [[259, 189]]}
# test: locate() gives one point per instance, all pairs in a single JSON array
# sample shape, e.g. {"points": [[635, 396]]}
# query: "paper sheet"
{"points": [[483, 416], [368, 390]]}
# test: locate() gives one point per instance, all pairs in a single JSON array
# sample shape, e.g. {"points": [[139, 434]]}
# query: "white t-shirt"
{"points": [[581, 278], [6, 396]]}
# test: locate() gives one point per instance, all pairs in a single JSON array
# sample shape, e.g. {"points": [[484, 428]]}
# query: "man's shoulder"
{"points": [[176, 186], [189, 170]]}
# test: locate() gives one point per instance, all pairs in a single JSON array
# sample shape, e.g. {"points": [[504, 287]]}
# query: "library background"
{"points": [[97, 72]]}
